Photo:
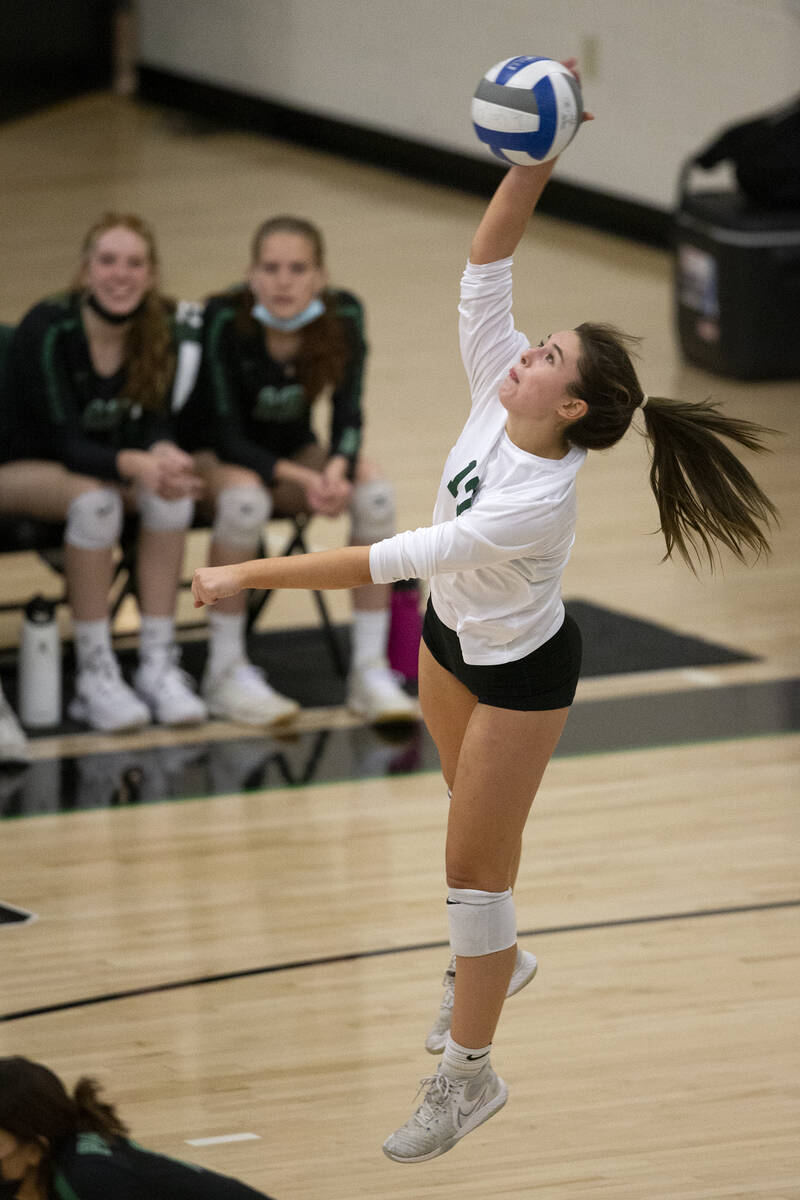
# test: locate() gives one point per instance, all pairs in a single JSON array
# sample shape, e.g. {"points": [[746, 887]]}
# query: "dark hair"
{"points": [[149, 350], [706, 497], [324, 348], [36, 1107]]}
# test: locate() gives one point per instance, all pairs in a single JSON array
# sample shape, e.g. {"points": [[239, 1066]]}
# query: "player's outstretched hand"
{"points": [[572, 65], [210, 584]]}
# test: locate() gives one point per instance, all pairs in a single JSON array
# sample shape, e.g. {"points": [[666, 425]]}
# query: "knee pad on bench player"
{"points": [[94, 519]]}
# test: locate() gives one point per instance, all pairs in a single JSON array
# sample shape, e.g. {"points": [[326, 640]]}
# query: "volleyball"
{"points": [[527, 109]]}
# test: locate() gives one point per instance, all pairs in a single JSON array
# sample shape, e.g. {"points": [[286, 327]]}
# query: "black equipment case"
{"points": [[737, 283]]}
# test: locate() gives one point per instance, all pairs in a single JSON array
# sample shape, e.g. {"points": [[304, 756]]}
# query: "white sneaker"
{"points": [[524, 971], [169, 692], [103, 699], [374, 692], [243, 694], [451, 1108], [14, 746]]}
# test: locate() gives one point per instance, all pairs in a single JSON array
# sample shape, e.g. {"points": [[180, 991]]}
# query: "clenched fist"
{"points": [[210, 584]]}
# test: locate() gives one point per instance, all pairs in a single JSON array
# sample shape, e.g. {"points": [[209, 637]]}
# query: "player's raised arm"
{"points": [[509, 211]]}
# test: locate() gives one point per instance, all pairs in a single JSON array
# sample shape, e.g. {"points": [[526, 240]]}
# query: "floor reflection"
{"points": [[146, 776]]}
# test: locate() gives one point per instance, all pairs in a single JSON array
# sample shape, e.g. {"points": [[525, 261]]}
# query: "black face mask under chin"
{"points": [[9, 1188], [113, 319]]}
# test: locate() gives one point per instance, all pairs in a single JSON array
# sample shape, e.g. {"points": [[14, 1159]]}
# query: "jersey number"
{"points": [[470, 487]]}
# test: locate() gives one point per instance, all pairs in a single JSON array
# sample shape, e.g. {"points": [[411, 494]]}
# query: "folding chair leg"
{"points": [[330, 636]]}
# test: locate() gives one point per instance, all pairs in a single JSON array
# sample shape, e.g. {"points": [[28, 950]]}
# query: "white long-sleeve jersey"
{"points": [[504, 520]]}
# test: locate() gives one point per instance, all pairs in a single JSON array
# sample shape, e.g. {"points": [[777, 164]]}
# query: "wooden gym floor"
{"points": [[267, 962]]}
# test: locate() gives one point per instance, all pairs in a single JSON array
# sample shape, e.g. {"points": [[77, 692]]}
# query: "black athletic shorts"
{"points": [[545, 678]]}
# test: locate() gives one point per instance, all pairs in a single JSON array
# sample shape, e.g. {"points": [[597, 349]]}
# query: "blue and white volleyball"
{"points": [[527, 109]]}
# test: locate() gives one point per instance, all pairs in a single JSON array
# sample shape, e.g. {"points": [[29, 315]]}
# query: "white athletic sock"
{"points": [[461, 1062], [92, 641], [156, 639], [226, 640], [370, 635]]}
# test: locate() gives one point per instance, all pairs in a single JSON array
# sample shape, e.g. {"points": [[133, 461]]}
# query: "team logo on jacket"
{"points": [[461, 485], [281, 404], [100, 416]]}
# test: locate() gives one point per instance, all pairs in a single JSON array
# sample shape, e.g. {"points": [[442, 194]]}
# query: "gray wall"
{"points": [[661, 76]]}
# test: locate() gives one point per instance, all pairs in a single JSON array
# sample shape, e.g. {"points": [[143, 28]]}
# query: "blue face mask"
{"points": [[315, 309]]}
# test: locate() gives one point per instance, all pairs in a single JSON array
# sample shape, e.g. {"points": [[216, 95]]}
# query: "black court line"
{"points": [[225, 976]]}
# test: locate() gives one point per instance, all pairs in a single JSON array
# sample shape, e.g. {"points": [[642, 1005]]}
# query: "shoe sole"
{"points": [[393, 717], [435, 1047], [525, 976], [242, 719], [177, 722], [77, 711], [185, 723], [485, 1113]]}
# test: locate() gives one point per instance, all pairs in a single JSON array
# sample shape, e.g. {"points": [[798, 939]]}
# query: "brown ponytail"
{"points": [[706, 497], [94, 1114]]}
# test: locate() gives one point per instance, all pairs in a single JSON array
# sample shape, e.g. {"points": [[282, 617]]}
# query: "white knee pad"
{"points": [[164, 516], [480, 922], [372, 512], [240, 516], [94, 519]]}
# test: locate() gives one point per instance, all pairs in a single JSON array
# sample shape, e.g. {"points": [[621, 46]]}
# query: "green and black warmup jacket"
{"points": [[55, 406], [252, 410]]}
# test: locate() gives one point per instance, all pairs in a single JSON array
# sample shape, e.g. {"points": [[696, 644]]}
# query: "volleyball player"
{"points": [[500, 659]]}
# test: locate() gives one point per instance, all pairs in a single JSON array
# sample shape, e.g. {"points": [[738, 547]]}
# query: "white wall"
{"points": [[661, 76]]}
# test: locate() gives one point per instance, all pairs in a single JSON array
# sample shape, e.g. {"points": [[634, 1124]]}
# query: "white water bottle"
{"points": [[40, 666]]}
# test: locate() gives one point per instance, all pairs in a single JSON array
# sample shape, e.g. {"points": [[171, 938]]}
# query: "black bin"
{"points": [[737, 284]]}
